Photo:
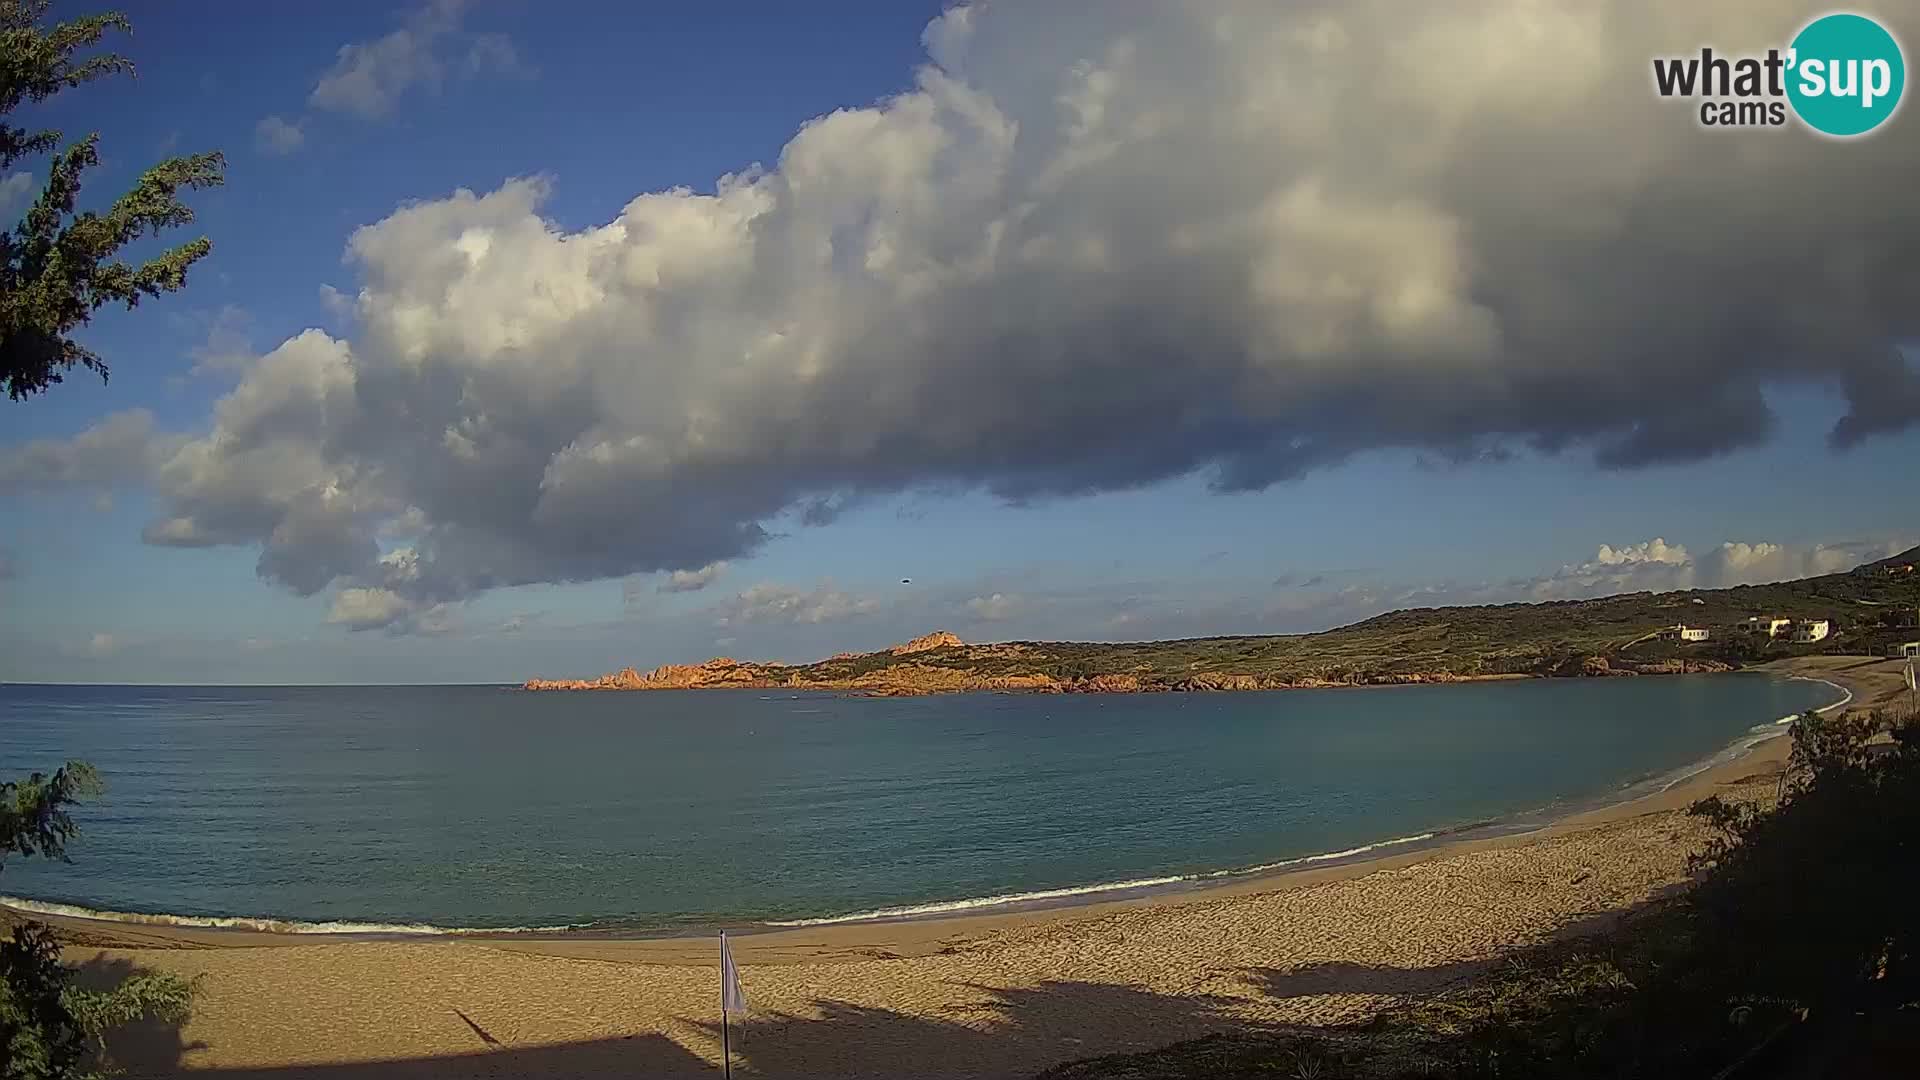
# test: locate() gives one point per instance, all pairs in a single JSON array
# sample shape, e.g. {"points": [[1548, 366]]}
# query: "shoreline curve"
{"points": [[1519, 827]]}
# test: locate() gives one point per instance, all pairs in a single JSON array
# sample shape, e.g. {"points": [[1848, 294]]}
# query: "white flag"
{"points": [[1910, 685], [732, 998]]}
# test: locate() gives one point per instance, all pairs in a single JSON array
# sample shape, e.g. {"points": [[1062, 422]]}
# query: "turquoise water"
{"points": [[490, 807]]}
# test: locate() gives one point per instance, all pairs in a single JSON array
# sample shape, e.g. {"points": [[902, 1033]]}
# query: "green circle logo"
{"points": [[1845, 75]]}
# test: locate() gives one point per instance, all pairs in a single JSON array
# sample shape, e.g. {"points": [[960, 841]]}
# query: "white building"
{"points": [[1908, 649], [1683, 632], [1771, 625], [1809, 630]]}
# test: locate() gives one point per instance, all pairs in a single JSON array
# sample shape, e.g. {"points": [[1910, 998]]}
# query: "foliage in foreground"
{"points": [[59, 266], [1793, 956], [51, 1028], [34, 817]]}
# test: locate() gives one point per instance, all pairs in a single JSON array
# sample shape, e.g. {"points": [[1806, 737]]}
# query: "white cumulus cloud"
{"points": [[1658, 566], [1653, 565], [1092, 248], [278, 137], [1656, 550], [16, 188], [992, 608], [366, 609], [692, 580], [369, 77], [1759, 563], [784, 604], [228, 346]]}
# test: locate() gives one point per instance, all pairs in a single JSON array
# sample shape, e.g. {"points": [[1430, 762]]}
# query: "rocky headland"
{"points": [[1869, 610], [941, 663]]}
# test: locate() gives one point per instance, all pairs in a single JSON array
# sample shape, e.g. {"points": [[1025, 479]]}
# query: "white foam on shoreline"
{"points": [[1846, 696], [261, 924], [267, 925], [948, 907], [1756, 735], [943, 907], [1328, 856], [1759, 733]]}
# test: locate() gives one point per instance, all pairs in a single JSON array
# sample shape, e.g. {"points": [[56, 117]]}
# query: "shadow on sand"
{"points": [[1340, 977], [1017, 1033], [133, 1045], [1011, 1033]]}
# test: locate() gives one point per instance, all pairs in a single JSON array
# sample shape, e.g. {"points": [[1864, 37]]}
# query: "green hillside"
{"points": [[1863, 605]]}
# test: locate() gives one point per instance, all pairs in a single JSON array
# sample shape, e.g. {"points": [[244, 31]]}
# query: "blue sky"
{"points": [[1421, 446]]}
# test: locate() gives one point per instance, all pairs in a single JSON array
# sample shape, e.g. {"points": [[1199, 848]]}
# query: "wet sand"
{"points": [[1003, 994]]}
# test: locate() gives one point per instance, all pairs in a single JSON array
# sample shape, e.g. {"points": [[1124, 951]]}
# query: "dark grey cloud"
{"points": [[1090, 250]]}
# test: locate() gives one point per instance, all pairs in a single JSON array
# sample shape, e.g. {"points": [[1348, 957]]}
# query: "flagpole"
{"points": [[726, 1050]]}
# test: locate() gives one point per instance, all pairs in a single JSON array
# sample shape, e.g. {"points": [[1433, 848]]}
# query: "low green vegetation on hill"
{"points": [[1554, 637], [1866, 609]]}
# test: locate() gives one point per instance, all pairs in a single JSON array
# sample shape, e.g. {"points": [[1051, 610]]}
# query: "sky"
{"points": [[540, 341]]}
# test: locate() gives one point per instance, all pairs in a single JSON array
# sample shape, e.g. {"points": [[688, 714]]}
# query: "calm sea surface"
{"points": [[487, 807]]}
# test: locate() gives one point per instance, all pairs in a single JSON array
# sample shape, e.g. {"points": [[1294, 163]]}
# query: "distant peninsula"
{"points": [[1873, 608]]}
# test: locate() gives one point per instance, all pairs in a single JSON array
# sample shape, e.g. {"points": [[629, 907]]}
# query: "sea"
{"points": [[401, 809]]}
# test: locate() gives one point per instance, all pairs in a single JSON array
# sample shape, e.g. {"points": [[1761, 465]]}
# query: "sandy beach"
{"points": [[1001, 995]]}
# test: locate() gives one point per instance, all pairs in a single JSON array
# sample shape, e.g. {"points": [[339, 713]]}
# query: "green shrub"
{"points": [[51, 1028]]}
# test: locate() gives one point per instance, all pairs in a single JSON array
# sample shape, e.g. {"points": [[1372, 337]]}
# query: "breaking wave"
{"points": [[261, 924], [1753, 737], [1846, 695], [1757, 734], [948, 907]]}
